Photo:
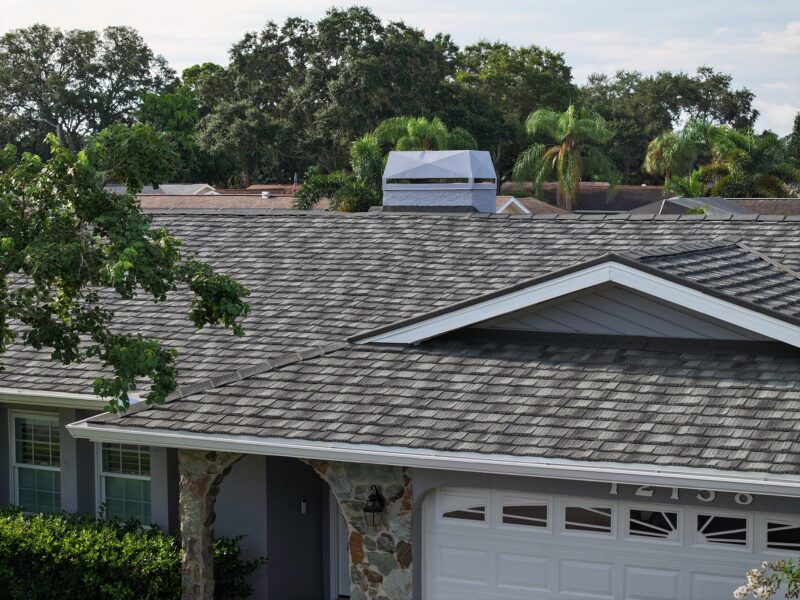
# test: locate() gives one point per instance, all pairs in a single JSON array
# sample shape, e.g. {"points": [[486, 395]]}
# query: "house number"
{"points": [[647, 491]]}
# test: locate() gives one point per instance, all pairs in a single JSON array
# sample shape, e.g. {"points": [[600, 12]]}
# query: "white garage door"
{"points": [[502, 546]]}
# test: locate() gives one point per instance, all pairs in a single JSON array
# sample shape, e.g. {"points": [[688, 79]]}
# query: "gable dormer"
{"points": [[715, 290]]}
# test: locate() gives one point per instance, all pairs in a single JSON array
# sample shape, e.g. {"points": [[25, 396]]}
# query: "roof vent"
{"points": [[440, 181]]}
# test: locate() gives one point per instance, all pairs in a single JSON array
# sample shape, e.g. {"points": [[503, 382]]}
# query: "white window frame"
{"points": [[100, 477], [563, 503], [697, 540], [510, 499], [13, 415], [761, 526], [625, 523]]}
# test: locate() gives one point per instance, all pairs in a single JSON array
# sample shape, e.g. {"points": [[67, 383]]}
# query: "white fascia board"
{"points": [[638, 474], [52, 399], [612, 272], [494, 307]]}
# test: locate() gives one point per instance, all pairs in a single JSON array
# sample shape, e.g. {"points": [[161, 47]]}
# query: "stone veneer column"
{"points": [[201, 473], [380, 557]]}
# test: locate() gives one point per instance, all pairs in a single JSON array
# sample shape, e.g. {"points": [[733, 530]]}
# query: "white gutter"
{"points": [[718, 480], [48, 398]]}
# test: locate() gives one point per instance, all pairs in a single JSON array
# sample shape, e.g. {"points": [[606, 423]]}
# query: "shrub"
{"points": [[76, 556]]}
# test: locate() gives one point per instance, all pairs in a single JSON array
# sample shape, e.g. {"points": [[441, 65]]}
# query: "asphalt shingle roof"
{"points": [[737, 411], [317, 279]]}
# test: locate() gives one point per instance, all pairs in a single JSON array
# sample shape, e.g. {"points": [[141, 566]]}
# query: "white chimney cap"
{"points": [[470, 169]]}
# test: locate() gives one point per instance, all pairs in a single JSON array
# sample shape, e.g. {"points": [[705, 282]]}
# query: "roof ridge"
{"points": [[211, 383], [775, 263]]}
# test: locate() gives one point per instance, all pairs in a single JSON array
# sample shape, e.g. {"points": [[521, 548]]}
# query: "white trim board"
{"points": [[516, 203], [52, 399], [718, 480], [606, 272]]}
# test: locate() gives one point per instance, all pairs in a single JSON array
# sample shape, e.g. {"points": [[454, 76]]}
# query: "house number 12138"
{"points": [[646, 491]]}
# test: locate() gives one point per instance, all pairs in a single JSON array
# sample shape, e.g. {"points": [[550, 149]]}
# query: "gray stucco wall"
{"points": [[296, 549], [424, 481], [241, 508]]}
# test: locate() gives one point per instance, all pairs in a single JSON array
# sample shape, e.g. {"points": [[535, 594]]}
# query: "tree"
{"points": [[793, 142], [579, 137], [505, 84], [731, 163], [639, 108], [246, 135], [419, 133], [67, 246], [73, 83]]}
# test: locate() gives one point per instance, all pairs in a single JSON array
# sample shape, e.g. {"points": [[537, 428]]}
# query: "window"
{"points": [[125, 481], [463, 506], [721, 529], [530, 515], [783, 536], [653, 524], [595, 519], [36, 462]]}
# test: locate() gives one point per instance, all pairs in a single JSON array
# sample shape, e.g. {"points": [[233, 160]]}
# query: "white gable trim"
{"points": [[608, 272], [641, 474], [516, 203]]}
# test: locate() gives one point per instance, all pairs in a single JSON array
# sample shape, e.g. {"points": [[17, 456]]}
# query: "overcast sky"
{"points": [[757, 41]]}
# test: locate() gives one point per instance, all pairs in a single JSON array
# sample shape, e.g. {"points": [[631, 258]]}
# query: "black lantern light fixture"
{"points": [[373, 508]]}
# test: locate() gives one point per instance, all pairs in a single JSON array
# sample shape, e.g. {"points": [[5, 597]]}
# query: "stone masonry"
{"points": [[201, 473], [380, 557]]}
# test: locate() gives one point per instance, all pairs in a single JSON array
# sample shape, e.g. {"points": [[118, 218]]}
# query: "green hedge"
{"points": [[71, 556]]}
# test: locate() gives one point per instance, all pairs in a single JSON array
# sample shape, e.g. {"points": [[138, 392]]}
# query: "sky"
{"points": [[756, 41]]}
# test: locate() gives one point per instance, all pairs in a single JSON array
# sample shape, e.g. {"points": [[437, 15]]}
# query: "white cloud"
{"points": [[777, 117]]}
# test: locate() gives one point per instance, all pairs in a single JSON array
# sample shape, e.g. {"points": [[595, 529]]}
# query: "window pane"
{"points": [[39, 490], [653, 524], [36, 442], [716, 529], [128, 498], [579, 518], [474, 513], [783, 536], [534, 515], [126, 460]]}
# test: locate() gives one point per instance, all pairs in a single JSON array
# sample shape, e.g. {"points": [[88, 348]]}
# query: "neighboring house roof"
{"points": [[594, 197], [525, 206], [221, 202], [168, 189], [717, 207], [769, 206], [317, 279]]}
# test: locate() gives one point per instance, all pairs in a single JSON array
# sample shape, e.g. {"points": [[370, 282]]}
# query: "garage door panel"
{"points": [[712, 586], [584, 579], [463, 566], [516, 571], [642, 583]]}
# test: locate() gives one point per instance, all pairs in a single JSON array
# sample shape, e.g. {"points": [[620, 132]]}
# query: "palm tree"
{"points": [[664, 158], [419, 133], [578, 137]]}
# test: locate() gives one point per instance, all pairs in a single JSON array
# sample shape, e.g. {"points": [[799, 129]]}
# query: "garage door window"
{"points": [[653, 524], [526, 515], [783, 536], [463, 507], [592, 519], [722, 530]]}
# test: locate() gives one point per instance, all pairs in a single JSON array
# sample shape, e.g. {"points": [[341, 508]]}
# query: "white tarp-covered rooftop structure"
{"points": [[448, 180]]}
